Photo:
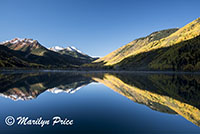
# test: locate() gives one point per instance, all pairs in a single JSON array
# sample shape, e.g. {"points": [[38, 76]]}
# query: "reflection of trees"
{"points": [[185, 88], [165, 93]]}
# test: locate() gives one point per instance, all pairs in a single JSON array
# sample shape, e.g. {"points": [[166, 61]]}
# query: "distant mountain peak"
{"points": [[20, 40], [72, 48], [74, 52], [69, 48], [56, 48], [29, 46], [21, 44]]}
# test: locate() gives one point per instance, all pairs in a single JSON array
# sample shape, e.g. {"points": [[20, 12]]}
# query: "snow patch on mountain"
{"points": [[57, 90], [19, 40], [56, 48], [70, 48], [16, 97]]}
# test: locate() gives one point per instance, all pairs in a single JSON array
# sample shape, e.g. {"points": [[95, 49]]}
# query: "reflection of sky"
{"points": [[92, 25], [94, 108]]}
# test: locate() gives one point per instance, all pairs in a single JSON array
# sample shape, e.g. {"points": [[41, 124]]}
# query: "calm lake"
{"points": [[101, 103]]}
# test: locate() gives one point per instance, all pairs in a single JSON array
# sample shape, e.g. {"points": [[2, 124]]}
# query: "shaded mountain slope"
{"points": [[74, 52], [33, 52], [183, 56], [29, 46], [178, 50], [19, 59], [10, 58]]}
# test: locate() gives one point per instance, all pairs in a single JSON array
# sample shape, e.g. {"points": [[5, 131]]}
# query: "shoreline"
{"points": [[93, 71]]}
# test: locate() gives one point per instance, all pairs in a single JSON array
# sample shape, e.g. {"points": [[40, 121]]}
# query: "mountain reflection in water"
{"points": [[167, 93], [27, 86]]}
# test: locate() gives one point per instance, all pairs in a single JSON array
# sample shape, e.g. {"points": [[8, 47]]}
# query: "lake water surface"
{"points": [[101, 102]]}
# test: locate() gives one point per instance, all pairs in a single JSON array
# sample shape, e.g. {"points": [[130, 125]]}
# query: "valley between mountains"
{"points": [[176, 49]]}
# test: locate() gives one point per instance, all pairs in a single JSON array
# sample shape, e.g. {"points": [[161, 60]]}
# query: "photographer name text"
{"points": [[26, 121]]}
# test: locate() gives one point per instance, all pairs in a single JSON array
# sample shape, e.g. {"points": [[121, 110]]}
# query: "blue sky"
{"points": [[96, 27]]}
